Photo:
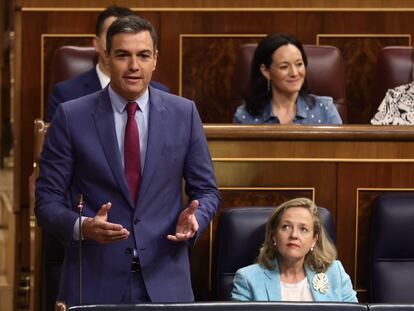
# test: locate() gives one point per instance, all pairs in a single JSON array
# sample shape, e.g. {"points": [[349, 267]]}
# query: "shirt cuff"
{"points": [[76, 228]]}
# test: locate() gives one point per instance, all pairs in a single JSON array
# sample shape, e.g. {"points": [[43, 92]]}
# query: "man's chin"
{"points": [[133, 94]]}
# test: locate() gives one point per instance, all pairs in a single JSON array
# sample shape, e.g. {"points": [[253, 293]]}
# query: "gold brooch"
{"points": [[320, 282]]}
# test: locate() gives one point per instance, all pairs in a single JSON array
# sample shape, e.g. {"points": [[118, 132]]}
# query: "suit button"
{"points": [[128, 250], [136, 221]]}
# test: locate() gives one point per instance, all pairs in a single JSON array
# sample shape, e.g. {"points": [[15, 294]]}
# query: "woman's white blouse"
{"points": [[296, 292]]}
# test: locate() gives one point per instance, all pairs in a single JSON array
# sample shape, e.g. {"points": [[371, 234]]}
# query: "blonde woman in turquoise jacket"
{"points": [[297, 261]]}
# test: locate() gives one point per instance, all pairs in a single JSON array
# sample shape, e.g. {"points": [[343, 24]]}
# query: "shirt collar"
{"points": [[267, 113], [119, 103], [301, 110], [103, 78]]}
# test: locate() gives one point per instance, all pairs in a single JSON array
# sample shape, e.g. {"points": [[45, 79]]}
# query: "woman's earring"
{"points": [[274, 243], [311, 249], [268, 85]]}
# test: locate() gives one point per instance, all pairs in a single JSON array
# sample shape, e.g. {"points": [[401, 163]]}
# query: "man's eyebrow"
{"points": [[120, 51], [145, 51]]}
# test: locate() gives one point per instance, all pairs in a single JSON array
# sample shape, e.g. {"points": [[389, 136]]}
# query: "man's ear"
{"points": [[95, 42], [155, 59]]}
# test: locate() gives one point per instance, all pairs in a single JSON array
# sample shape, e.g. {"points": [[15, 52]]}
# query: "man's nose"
{"points": [[134, 64]]}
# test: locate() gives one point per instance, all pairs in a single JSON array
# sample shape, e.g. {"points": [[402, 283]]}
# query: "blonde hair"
{"points": [[324, 252]]}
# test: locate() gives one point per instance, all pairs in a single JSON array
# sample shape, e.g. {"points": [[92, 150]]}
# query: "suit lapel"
{"points": [[105, 126], [317, 295], [273, 283], [155, 142]]}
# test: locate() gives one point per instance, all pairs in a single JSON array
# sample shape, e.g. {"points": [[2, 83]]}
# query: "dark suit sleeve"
{"points": [[52, 185], [199, 174]]}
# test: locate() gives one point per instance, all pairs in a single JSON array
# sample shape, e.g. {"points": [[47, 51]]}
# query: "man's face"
{"points": [[100, 42], [132, 60]]}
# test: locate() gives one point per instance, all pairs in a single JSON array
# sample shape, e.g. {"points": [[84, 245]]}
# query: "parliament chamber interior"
{"points": [[360, 174]]}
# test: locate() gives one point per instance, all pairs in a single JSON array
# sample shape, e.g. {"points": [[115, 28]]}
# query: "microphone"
{"points": [[80, 208]]}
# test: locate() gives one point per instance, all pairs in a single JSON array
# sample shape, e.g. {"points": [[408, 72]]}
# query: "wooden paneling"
{"points": [[209, 41], [36, 238], [7, 240], [207, 77], [362, 183], [324, 158], [229, 4]]}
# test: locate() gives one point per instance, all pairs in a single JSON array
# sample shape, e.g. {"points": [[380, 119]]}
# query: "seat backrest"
{"points": [[239, 236], [70, 61], [394, 67], [325, 75], [391, 254]]}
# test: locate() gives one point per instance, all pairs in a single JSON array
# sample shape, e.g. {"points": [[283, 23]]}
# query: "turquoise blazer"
{"points": [[256, 283]]}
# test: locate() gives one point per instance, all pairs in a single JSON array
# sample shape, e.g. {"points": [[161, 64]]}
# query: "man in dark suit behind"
{"points": [[135, 231], [97, 78]]}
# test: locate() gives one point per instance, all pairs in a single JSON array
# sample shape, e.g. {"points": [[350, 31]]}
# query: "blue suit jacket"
{"points": [[78, 86], [256, 283], [81, 155]]}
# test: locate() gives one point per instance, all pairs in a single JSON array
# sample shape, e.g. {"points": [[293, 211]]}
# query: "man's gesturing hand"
{"points": [[187, 224], [98, 229]]}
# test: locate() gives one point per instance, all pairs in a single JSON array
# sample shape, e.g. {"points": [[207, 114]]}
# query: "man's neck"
{"points": [[104, 69], [102, 76]]}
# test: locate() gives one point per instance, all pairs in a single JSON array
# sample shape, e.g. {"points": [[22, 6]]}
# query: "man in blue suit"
{"points": [[135, 238], [97, 78]]}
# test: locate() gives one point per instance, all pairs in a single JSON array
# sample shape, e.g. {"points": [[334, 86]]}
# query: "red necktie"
{"points": [[132, 154]]}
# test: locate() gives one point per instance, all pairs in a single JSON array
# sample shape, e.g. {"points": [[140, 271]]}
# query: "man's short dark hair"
{"points": [[111, 11], [130, 24]]}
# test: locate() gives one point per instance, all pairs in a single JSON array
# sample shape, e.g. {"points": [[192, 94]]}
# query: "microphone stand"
{"points": [[80, 207]]}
